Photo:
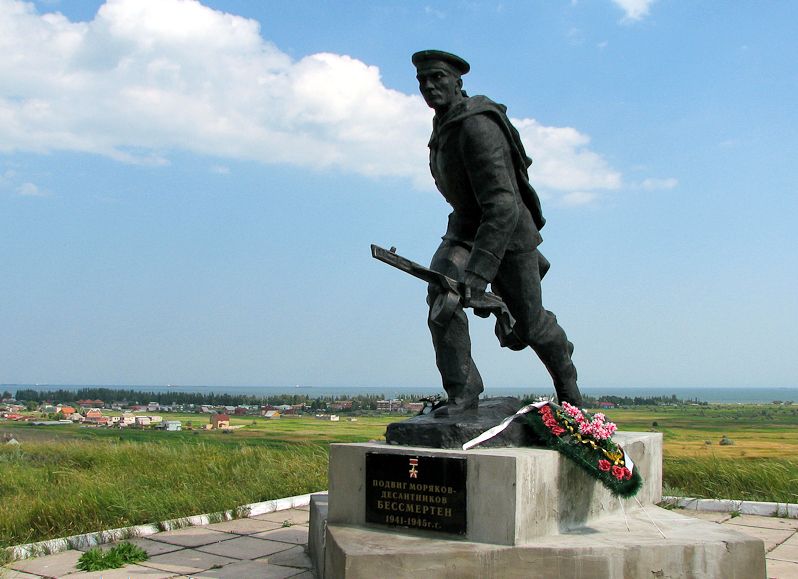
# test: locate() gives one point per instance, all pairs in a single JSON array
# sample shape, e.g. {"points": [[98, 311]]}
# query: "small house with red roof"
{"points": [[93, 414], [220, 421]]}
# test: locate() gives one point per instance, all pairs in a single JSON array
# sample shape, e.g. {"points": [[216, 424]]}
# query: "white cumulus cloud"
{"points": [[634, 9], [577, 198], [652, 184], [562, 160], [148, 77], [28, 189], [7, 176]]}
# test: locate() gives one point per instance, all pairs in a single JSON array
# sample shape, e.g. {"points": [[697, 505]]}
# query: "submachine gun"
{"points": [[452, 294]]}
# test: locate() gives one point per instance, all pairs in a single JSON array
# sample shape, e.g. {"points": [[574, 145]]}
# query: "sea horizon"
{"points": [[714, 394]]}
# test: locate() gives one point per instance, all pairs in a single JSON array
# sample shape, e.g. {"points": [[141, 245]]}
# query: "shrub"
{"points": [[114, 558]]}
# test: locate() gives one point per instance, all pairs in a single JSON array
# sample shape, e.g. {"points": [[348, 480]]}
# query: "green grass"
{"points": [[57, 489], [756, 479]]}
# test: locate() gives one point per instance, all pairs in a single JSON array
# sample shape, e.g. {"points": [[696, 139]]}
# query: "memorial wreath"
{"points": [[587, 440]]}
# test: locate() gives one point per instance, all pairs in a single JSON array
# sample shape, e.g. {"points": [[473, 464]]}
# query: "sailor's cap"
{"points": [[452, 60]]}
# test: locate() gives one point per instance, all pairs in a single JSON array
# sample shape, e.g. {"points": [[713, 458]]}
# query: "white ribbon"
{"points": [[627, 460], [491, 432]]}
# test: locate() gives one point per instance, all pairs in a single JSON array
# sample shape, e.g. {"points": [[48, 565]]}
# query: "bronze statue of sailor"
{"points": [[480, 167]]}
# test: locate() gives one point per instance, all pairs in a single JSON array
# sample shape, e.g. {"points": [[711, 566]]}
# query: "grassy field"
{"points": [[757, 431], [252, 430], [760, 465], [63, 480]]}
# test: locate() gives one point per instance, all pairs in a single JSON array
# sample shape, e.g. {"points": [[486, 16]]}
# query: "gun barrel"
{"points": [[489, 302], [394, 259]]}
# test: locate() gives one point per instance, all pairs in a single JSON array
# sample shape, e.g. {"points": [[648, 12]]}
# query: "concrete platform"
{"points": [[531, 513], [672, 546], [514, 494]]}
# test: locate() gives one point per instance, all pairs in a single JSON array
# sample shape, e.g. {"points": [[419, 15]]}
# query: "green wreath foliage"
{"points": [[601, 459]]}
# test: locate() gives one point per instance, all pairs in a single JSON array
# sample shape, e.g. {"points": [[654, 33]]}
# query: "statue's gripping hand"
{"points": [[475, 286]]}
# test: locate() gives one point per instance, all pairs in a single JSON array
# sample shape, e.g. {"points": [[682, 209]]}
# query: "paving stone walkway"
{"points": [[274, 546], [271, 546], [780, 536]]}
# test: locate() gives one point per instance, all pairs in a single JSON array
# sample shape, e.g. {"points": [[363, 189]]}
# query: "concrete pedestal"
{"points": [[531, 513]]}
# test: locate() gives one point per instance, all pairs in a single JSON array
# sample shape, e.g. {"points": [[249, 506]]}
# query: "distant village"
{"points": [[97, 413], [214, 411]]}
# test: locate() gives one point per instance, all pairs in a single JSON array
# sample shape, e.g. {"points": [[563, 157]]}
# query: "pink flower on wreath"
{"points": [[596, 427], [608, 429], [573, 412], [586, 428], [604, 465], [617, 472], [603, 431], [557, 430]]}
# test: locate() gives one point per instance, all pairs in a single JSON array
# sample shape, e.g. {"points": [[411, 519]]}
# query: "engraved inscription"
{"points": [[418, 492]]}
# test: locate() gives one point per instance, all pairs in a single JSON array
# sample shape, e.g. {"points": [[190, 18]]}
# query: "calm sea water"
{"points": [[724, 395]]}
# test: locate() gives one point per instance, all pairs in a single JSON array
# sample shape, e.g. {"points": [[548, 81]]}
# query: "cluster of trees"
{"points": [[359, 402], [143, 397], [671, 400], [109, 395]]}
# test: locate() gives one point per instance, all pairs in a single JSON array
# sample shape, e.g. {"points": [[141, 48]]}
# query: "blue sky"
{"points": [[188, 191]]}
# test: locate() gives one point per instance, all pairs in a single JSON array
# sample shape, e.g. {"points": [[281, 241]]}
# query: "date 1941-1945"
{"points": [[414, 522]]}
